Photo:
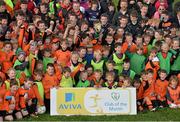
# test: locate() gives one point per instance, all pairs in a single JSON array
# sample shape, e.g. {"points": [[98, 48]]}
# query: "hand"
{"points": [[51, 22], [29, 102], [27, 59]]}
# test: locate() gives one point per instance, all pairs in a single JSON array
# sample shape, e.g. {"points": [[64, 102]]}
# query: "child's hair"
{"points": [[173, 78], [134, 13], [139, 48], [110, 62], [111, 73], [162, 71], [97, 52], [11, 69], [38, 72], [98, 71], [46, 50], [126, 60], [83, 72], [13, 82], [136, 80], [50, 65], [117, 45], [66, 69], [153, 50], [149, 71], [7, 43]]}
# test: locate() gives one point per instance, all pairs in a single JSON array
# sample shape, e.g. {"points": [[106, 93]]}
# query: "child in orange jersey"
{"points": [[63, 55], [11, 76], [11, 103], [2, 93], [139, 93], [49, 81], [28, 100], [173, 93], [2, 74], [153, 62], [149, 91], [161, 85], [97, 80], [6, 57]]}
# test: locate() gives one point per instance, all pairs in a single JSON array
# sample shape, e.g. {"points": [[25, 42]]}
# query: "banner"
{"points": [[91, 101]]}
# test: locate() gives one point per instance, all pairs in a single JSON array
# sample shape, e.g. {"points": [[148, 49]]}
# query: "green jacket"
{"points": [[86, 83], [66, 82], [165, 62]]}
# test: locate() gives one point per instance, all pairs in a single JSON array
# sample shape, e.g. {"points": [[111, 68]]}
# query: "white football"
{"points": [[41, 109]]}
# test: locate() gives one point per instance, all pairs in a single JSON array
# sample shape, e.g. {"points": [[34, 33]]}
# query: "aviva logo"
{"points": [[69, 97]]}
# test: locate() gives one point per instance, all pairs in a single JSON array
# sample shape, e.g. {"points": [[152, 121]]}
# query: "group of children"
{"points": [[87, 43]]}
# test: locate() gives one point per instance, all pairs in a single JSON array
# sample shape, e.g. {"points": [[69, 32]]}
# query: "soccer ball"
{"points": [[41, 109]]}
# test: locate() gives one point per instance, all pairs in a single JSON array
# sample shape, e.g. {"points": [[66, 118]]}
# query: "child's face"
{"points": [[126, 83], [94, 7], [97, 75], [105, 53], [4, 22], [123, 5], [12, 74], [74, 58], [90, 71], [21, 57], [82, 53], [64, 46], [153, 54], [137, 85], [38, 77], [147, 39], [144, 77], [126, 66], [55, 46], [140, 51], [139, 41], [41, 26], [129, 39], [118, 49], [84, 27], [14, 88], [84, 76], [98, 56], [47, 54], [110, 67], [7, 48], [104, 20], [174, 83], [175, 45], [162, 76], [40, 66], [124, 22], [90, 50], [165, 48], [168, 40], [110, 79], [2, 8], [50, 70], [150, 76], [121, 78], [67, 74], [28, 84], [109, 39], [111, 8], [133, 19]]}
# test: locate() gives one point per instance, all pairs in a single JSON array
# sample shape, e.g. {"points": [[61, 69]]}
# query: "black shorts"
{"points": [[2, 113]]}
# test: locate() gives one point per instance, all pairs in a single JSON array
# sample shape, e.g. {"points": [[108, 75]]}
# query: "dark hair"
{"points": [[66, 69]]}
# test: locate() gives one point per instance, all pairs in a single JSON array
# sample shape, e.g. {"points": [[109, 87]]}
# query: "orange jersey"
{"points": [[8, 102], [174, 94], [6, 59], [2, 94], [63, 57], [160, 88], [37, 95], [125, 47], [149, 91], [3, 76], [48, 83], [30, 93], [140, 92], [154, 65]]}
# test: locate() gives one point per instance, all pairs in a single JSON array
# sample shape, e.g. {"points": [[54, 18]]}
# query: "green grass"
{"points": [[164, 114]]}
